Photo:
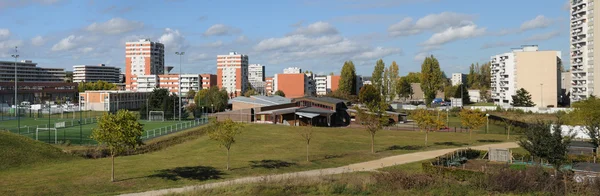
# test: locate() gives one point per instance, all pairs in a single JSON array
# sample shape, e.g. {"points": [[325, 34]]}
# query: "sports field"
{"points": [[75, 134]]}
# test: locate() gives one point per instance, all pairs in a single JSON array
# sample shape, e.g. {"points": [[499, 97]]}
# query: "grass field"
{"points": [[202, 160], [73, 132]]}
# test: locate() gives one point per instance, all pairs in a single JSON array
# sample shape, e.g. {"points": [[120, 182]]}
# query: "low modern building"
{"points": [[112, 101], [257, 101], [536, 71], [458, 79], [94, 73], [144, 83], [35, 84]]}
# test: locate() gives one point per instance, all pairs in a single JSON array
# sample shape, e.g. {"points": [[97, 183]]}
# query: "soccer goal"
{"points": [[37, 131], [156, 116]]}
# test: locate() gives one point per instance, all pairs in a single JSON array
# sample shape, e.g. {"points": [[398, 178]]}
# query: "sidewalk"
{"points": [[363, 166]]}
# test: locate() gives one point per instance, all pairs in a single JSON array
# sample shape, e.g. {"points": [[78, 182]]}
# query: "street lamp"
{"points": [[487, 125], [180, 54], [16, 56], [542, 94], [213, 108]]}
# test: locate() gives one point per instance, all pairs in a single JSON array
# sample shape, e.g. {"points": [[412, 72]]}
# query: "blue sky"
{"points": [[316, 35]]}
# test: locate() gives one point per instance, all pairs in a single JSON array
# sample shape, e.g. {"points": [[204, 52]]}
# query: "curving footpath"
{"points": [[363, 166]]}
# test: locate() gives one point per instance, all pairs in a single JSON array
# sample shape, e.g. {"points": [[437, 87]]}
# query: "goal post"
{"points": [[37, 131], [156, 116]]}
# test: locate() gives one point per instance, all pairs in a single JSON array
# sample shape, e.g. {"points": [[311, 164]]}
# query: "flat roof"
{"points": [[329, 100], [261, 100]]}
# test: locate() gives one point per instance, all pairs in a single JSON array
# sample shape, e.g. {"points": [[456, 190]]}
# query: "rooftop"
{"points": [[262, 100], [329, 100]]}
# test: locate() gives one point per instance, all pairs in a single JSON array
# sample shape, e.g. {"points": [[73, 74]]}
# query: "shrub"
{"points": [[400, 180]]}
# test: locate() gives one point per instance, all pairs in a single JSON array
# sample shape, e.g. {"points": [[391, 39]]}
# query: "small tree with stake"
{"points": [[224, 133], [472, 119], [427, 121], [306, 133], [118, 132], [373, 119]]}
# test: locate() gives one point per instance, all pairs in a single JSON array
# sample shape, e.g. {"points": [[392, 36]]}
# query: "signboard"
{"points": [[456, 102]]}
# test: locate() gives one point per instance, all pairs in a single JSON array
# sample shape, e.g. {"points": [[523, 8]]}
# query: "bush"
{"points": [[454, 173], [399, 180]]}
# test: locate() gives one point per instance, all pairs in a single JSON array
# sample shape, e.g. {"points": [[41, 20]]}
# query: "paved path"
{"points": [[364, 166]]}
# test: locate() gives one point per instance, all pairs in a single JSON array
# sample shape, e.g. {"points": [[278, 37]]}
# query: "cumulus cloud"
{"points": [[215, 44], [316, 29], [221, 30], [538, 22], [431, 22], [241, 39], [115, 26], [68, 43], [4, 33], [455, 33], [378, 52], [38, 41], [295, 41], [7, 47], [196, 57], [173, 39], [543, 36]]}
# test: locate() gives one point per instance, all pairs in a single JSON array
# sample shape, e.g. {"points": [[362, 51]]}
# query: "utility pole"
{"points": [[16, 56]]}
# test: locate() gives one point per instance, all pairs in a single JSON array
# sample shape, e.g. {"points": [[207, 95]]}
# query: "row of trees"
{"points": [[99, 85], [161, 100]]}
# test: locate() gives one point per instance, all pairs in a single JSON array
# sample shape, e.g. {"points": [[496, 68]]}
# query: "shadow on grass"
{"points": [[191, 173], [270, 164], [450, 144], [408, 147], [490, 141]]}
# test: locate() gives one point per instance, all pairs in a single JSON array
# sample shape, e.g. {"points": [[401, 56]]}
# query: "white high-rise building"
{"points": [[458, 79], [143, 57], [583, 65], [292, 70], [256, 73], [232, 73], [93, 73], [321, 85]]}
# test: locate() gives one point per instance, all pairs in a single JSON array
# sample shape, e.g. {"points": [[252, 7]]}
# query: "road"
{"points": [[363, 166]]}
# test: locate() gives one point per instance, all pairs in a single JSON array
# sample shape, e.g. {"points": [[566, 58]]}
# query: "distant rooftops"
{"points": [[262, 100]]}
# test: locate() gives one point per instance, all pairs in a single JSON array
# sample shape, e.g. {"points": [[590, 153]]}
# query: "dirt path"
{"points": [[363, 166]]}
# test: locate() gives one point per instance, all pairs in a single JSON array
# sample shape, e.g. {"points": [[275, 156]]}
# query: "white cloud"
{"points": [[421, 56], [538, 22], [543, 36], [455, 33], [215, 44], [173, 39], [431, 22], [496, 44], [68, 43], [86, 50], [4, 33], [21, 3], [199, 57], [316, 29], [7, 47], [378, 52], [241, 39], [221, 30], [115, 26], [295, 41], [38, 41]]}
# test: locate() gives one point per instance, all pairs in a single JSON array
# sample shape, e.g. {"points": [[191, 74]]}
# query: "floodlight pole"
{"points": [[180, 54], [16, 56]]}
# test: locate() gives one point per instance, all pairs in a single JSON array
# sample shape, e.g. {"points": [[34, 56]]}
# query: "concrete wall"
{"points": [[538, 73]]}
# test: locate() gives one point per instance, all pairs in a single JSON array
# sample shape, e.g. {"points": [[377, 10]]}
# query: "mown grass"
{"points": [[16, 151], [202, 160]]}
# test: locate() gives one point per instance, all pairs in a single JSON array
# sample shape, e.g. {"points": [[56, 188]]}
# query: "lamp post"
{"points": [[203, 114], [542, 94], [213, 108], [180, 54], [487, 124], [16, 56]]}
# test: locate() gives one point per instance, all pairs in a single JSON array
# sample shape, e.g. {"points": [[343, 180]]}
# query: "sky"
{"points": [[315, 35]]}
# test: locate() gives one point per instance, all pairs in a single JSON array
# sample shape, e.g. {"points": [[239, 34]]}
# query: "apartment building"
{"points": [[147, 83], [94, 73], [143, 57], [269, 86], [256, 73], [292, 70], [112, 101], [35, 84], [232, 73], [330, 83], [458, 79], [292, 84], [208, 80], [321, 85], [528, 68], [583, 64], [144, 83]]}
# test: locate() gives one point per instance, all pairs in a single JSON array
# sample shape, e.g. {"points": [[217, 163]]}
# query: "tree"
{"points": [[510, 120], [373, 119], [306, 133], [369, 95], [224, 133], [250, 92], [191, 94], [413, 77], [428, 121], [471, 119], [280, 93], [99, 85], [484, 95], [404, 89], [118, 132], [377, 76], [449, 92], [522, 99], [385, 84], [212, 98], [394, 76], [541, 141], [347, 84], [431, 78], [462, 92], [587, 114], [161, 100]]}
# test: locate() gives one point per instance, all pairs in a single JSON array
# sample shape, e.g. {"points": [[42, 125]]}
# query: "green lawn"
{"points": [[493, 129], [202, 160]]}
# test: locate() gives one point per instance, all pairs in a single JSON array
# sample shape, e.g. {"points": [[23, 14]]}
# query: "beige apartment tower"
{"points": [[583, 64]]}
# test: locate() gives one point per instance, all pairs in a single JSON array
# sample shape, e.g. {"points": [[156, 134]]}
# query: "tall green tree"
{"points": [[461, 91], [118, 132], [522, 99], [542, 142], [404, 89], [413, 77], [224, 133], [587, 113], [431, 78], [394, 76], [212, 98], [385, 83], [347, 84], [377, 76], [369, 95]]}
